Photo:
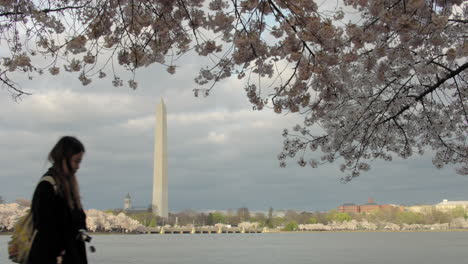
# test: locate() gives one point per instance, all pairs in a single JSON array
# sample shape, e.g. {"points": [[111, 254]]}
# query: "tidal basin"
{"points": [[267, 248]]}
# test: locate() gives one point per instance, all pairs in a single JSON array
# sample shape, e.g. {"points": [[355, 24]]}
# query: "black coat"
{"points": [[57, 227]]}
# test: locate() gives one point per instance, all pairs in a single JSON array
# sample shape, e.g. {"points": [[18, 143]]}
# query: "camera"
{"points": [[83, 236]]}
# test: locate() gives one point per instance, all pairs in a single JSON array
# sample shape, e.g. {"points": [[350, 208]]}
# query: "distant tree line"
{"points": [[291, 219]]}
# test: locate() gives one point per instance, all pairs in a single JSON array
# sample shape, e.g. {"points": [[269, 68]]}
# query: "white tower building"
{"points": [[127, 202], [159, 204]]}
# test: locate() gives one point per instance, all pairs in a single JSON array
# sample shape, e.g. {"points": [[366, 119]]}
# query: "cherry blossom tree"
{"points": [[101, 221], [95, 220], [9, 215], [389, 82]]}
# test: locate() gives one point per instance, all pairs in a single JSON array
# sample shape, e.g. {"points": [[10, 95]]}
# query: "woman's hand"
{"points": [[60, 257]]}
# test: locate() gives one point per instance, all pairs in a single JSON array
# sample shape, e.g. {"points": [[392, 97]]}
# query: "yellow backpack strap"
{"points": [[50, 180]]}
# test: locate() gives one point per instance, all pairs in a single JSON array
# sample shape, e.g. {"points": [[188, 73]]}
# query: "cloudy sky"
{"points": [[221, 153]]}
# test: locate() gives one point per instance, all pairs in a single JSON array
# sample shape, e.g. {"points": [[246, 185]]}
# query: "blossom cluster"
{"points": [[353, 225], [9, 215], [95, 220], [99, 221]]}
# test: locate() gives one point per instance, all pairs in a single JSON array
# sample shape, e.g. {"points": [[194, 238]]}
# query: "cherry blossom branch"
{"points": [[458, 21], [46, 10], [278, 11], [438, 135], [461, 99], [239, 18], [440, 65], [8, 83], [403, 132], [430, 90], [288, 81], [192, 24]]}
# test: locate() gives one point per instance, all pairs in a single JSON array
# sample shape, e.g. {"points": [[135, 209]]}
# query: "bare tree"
{"points": [[243, 213]]}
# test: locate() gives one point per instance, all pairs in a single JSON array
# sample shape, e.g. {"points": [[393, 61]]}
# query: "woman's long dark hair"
{"points": [[61, 153]]}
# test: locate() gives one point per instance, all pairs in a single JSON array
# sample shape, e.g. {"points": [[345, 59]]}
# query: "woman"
{"points": [[57, 210]]}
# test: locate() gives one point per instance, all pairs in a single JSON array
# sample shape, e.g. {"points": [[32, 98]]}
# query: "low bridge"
{"points": [[204, 230]]}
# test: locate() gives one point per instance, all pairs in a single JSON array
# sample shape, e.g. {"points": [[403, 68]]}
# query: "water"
{"points": [[291, 248]]}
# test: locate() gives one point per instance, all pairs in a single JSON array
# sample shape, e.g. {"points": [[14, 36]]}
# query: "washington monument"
{"points": [[159, 204]]}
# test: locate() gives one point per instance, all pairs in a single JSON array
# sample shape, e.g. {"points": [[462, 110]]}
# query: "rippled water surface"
{"points": [[327, 248]]}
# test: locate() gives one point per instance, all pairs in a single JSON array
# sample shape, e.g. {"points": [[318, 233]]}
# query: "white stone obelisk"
{"points": [[159, 204]]}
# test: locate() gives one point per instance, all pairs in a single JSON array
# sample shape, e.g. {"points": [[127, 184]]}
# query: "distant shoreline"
{"points": [[374, 231], [286, 232]]}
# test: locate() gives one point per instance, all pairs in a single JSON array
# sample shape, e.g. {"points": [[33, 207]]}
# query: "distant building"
{"points": [[349, 208], [159, 205], [447, 205], [127, 202], [128, 208], [367, 207], [444, 206]]}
